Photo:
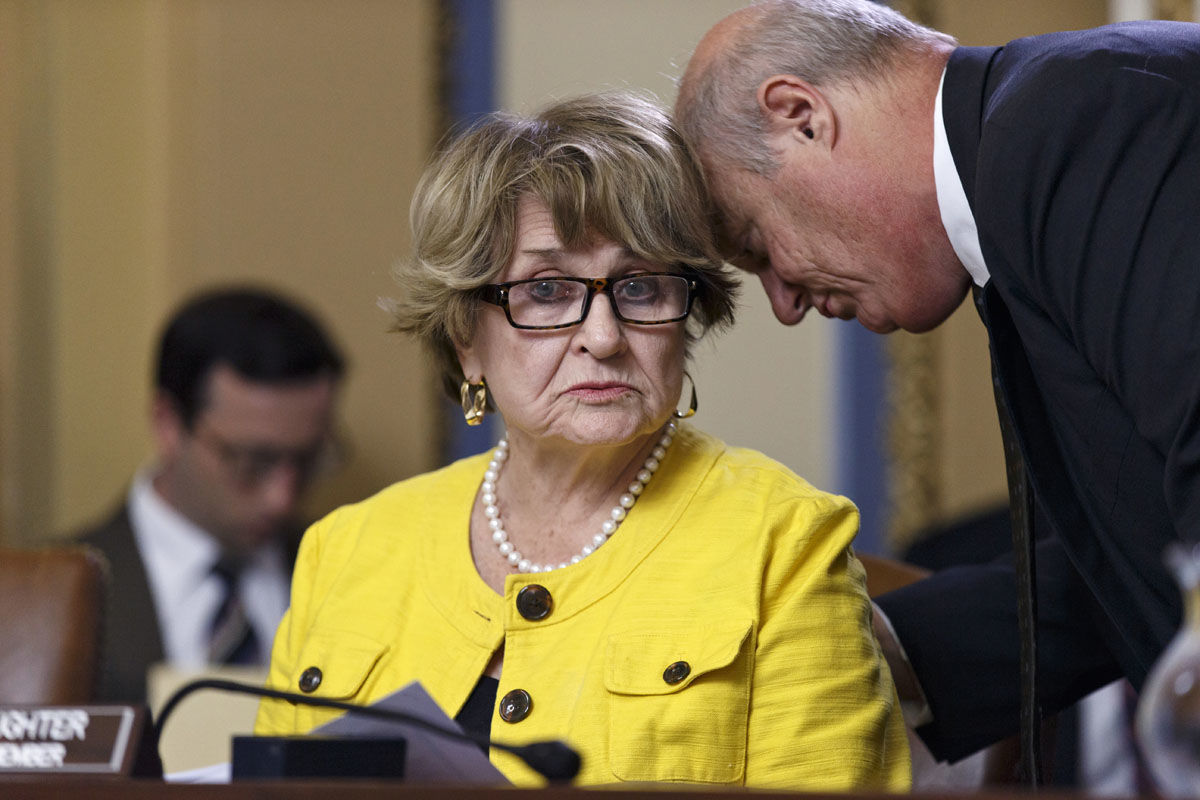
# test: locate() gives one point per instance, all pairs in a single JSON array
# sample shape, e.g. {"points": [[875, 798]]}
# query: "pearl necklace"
{"points": [[513, 556]]}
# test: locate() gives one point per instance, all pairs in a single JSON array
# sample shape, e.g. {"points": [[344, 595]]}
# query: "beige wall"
{"points": [[159, 147], [9, 249], [979, 22]]}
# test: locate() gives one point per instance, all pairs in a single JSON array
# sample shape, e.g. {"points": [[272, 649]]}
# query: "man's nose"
{"points": [[787, 301], [281, 489]]}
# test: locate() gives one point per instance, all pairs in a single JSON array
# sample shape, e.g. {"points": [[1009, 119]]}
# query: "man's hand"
{"points": [[913, 703]]}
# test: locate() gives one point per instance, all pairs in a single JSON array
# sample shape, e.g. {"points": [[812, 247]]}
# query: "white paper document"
{"points": [[429, 758]]}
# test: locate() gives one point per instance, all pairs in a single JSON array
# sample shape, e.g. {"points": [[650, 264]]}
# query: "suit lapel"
{"points": [[963, 96]]}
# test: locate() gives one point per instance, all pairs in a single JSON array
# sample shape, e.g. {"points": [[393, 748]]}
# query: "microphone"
{"points": [[554, 760]]}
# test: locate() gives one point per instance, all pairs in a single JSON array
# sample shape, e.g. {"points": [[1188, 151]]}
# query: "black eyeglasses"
{"points": [[650, 298], [251, 465]]}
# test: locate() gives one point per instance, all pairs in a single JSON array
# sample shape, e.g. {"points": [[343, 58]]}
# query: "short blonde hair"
{"points": [[606, 164]]}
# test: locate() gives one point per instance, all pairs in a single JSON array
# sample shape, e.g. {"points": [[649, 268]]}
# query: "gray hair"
{"points": [[605, 164], [824, 42]]}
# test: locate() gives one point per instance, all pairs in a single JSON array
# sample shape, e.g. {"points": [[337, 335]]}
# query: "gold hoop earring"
{"points": [[474, 401], [692, 406]]}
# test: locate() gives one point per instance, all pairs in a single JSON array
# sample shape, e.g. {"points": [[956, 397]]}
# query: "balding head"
{"points": [[826, 43], [704, 109], [812, 121]]}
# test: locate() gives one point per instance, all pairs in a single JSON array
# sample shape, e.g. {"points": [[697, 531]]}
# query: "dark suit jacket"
{"points": [[132, 640], [1080, 156]]}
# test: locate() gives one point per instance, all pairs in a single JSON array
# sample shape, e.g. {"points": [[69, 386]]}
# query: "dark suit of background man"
{"points": [[1059, 175], [201, 549]]}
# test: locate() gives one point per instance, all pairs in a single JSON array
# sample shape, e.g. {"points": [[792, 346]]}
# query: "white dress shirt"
{"points": [[179, 557], [956, 214]]}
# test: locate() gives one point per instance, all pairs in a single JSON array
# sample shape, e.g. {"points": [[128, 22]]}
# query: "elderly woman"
{"points": [[676, 609]]}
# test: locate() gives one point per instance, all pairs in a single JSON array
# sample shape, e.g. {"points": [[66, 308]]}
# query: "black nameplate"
{"points": [[75, 740], [262, 757]]}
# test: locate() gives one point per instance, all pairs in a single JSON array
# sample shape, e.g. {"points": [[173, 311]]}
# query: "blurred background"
{"points": [[149, 148]]}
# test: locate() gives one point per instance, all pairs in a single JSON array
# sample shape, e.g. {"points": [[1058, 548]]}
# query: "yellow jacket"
{"points": [[729, 562]]}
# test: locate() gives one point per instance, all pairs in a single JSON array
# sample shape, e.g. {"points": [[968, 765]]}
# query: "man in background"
{"points": [[868, 168], [202, 547]]}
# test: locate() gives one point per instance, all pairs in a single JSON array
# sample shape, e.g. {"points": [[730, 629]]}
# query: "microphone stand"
{"points": [[554, 760]]}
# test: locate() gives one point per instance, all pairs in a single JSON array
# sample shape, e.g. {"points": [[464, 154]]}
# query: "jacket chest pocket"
{"points": [[679, 703], [335, 664]]}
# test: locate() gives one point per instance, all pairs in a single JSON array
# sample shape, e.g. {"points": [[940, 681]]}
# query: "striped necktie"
{"points": [[232, 639]]}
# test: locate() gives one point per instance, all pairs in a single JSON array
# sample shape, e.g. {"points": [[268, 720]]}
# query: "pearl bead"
{"points": [[491, 510]]}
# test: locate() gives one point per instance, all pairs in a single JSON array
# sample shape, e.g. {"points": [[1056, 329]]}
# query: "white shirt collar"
{"points": [[956, 214], [179, 556]]}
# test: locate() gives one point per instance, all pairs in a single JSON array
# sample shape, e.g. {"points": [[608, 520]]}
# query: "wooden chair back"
{"points": [[50, 627]]}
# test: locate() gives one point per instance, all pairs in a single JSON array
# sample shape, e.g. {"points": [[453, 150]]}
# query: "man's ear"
{"points": [[167, 426], [796, 110]]}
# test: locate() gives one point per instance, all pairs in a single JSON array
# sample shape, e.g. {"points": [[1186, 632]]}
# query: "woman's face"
{"points": [[602, 382]]}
